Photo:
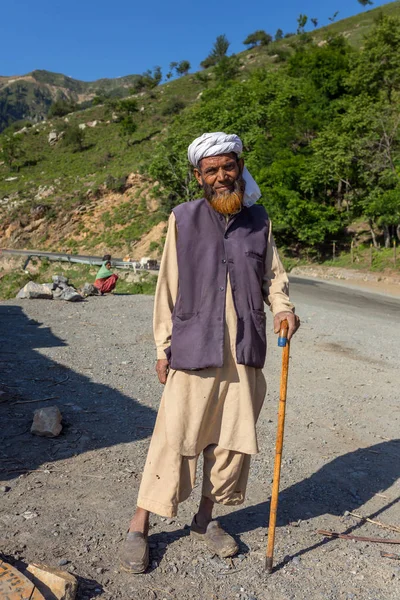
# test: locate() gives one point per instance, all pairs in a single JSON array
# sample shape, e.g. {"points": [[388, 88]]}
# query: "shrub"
{"points": [[173, 107]]}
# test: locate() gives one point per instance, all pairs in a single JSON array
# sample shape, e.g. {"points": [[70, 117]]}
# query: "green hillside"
{"points": [[312, 110], [30, 96]]}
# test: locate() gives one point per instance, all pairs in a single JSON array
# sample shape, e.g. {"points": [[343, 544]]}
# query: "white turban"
{"points": [[213, 144]]}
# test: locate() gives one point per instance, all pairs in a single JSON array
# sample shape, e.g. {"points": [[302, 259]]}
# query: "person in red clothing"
{"points": [[106, 280]]}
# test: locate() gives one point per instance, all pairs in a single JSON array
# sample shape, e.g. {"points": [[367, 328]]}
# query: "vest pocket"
{"points": [[183, 317], [255, 255]]}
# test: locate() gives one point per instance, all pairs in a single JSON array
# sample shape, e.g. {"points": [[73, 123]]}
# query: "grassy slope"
{"points": [[71, 174]]}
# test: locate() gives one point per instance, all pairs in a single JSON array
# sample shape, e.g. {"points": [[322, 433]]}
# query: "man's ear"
{"points": [[241, 165], [197, 174]]}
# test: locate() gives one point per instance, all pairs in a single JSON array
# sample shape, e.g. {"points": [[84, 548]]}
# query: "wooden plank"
{"points": [[15, 586]]}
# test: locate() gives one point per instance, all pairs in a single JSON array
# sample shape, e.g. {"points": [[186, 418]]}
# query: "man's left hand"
{"points": [[292, 319]]}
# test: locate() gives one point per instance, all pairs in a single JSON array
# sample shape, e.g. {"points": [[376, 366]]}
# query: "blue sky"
{"points": [[89, 40]]}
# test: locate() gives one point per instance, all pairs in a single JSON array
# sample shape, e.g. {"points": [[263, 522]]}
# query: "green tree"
{"points": [[314, 22], [74, 137], [219, 50], [183, 67], [365, 2], [377, 68], [278, 35], [258, 38], [302, 21], [60, 108], [126, 109], [332, 19], [12, 151], [227, 68]]}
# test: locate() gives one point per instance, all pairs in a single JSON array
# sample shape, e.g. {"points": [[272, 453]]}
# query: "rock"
{"points": [[5, 489], [63, 562], [92, 123], [34, 290], [89, 290], [44, 191], [62, 585], [59, 279], [82, 126], [10, 178], [52, 138], [71, 295], [47, 422]]}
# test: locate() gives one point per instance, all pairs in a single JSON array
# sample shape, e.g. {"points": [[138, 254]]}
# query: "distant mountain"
{"points": [[30, 96]]}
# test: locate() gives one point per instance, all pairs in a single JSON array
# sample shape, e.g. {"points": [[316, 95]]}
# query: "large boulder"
{"points": [[35, 291]]}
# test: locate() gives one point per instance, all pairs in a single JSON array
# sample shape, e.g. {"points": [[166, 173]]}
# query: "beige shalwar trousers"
{"points": [[169, 478]]}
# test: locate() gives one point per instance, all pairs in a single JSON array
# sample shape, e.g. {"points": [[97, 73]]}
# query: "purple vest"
{"points": [[208, 249]]}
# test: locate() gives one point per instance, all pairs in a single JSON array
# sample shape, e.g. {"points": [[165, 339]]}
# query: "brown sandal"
{"points": [[215, 538], [134, 554]]}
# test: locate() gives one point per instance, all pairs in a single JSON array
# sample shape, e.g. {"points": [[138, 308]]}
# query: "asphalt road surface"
{"points": [[353, 299]]}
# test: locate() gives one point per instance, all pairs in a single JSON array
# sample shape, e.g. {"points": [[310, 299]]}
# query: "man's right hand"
{"points": [[162, 368]]}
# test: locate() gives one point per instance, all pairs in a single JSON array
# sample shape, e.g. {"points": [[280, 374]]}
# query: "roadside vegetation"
{"points": [[318, 111]]}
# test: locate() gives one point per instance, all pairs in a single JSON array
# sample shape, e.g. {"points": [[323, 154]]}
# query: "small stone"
{"points": [[63, 585], [5, 488], [63, 562], [47, 422], [346, 513], [296, 560]]}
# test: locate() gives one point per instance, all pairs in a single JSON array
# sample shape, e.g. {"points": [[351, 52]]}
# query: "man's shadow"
{"points": [[344, 484], [94, 415]]}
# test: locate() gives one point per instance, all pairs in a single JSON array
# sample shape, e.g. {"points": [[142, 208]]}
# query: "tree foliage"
{"points": [[321, 136], [219, 50], [258, 38], [61, 107], [74, 137]]}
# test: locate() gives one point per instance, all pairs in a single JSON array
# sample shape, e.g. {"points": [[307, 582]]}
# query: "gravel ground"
{"points": [[95, 361]]}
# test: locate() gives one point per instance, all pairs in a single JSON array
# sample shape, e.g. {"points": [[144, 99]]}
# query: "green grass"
{"points": [[367, 259]]}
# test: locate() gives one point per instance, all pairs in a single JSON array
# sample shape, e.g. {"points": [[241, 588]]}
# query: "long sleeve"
{"points": [[166, 291], [276, 283]]}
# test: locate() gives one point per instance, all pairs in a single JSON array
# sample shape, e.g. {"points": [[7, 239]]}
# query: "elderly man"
{"points": [[220, 264]]}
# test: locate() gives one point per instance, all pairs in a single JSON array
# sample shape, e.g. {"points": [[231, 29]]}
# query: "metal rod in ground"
{"points": [[282, 341]]}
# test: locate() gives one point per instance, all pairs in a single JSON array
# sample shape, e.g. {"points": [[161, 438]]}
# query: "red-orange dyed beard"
{"points": [[226, 203]]}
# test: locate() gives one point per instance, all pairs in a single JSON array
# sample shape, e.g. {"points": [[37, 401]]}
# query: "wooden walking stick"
{"points": [[285, 344]]}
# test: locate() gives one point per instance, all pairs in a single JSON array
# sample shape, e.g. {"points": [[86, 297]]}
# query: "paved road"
{"points": [[332, 295]]}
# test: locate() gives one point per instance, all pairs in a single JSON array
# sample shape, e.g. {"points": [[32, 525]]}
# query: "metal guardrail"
{"points": [[71, 258]]}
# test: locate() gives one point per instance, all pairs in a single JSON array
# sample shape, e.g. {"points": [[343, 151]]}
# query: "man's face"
{"points": [[222, 182], [219, 172]]}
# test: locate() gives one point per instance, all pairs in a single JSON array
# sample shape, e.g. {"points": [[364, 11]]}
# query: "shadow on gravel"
{"points": [[344, 484], [94, 415]]}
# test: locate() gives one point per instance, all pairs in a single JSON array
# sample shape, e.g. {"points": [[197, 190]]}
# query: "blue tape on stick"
{"points": [[282, 342]]}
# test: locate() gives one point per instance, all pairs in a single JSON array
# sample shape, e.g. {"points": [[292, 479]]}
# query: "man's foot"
{"points": [[134, 554], [215, 538]]}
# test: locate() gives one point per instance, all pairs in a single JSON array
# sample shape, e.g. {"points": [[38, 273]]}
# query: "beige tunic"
{"points": [[215, 405]]}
